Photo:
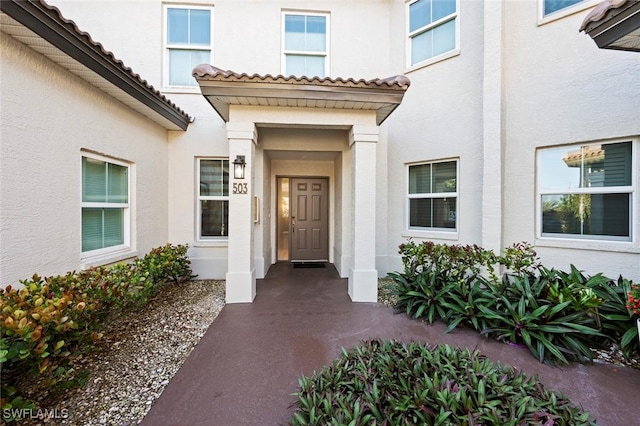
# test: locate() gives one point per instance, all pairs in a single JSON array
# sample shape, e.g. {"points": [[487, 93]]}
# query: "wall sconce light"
{"points": [[238, 167]]}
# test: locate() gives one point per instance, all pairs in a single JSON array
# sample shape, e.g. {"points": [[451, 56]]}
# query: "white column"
{"points": [[492, 128], [363, 277], [241, 273]]}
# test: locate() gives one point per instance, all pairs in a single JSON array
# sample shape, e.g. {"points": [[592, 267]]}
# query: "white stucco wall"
{"points": [[48, 117], [561, 89]]}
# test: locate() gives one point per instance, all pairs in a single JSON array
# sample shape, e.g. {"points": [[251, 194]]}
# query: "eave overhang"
{"points": [[614, 24], [224, 88], [44, 29]]}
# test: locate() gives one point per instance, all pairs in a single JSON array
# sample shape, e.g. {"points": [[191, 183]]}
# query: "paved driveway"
{"points": [[246, 366]]}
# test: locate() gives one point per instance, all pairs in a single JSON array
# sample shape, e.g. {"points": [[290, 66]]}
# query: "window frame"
{"points": [[285, 52], [420, 231], [126, 207], [200, 198], [167, 47], [631, 189], [411, 34]]}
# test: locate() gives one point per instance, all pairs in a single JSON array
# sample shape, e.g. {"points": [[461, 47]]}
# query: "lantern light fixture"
{"points": [[238, 167]]}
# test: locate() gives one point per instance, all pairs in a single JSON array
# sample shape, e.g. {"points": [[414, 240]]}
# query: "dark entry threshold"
{"points": [[297, 265]]}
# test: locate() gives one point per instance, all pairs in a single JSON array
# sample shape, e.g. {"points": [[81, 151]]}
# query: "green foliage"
{"points": [[388, 382], [558, 315], [48, 319]]}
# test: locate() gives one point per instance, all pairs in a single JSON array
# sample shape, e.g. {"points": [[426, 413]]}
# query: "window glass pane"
{"points": [[420, 179], [94, 180], [419, 14], [420, 212], [182, 63], [551, 6], [586, 214], [316, 38], [444, 177], [214, 178], [200, 29], [294, 31], [113, 226], [178, 25], [91, 229], [214, 220], [589, 166], [444, 38], [442, 8], [310, 66], [421, 47], [444, 212], [117, 191], [102, 228]]}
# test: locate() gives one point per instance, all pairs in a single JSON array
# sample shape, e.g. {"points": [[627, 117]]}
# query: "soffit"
{"points": [[45, 30], [224, 88], [614, 24]]}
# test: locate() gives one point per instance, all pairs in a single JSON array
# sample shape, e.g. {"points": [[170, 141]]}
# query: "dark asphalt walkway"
{"points": [[246, 366]]}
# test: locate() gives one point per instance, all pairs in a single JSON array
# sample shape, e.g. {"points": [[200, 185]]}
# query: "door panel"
{"points": [[310, 219]]}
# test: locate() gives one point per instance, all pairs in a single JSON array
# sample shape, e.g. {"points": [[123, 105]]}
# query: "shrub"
{"points": [[48, 319], [388, 382]]}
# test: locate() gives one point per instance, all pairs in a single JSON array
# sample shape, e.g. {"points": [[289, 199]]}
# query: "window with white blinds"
{"points": [[105, 204], [433, 195]]}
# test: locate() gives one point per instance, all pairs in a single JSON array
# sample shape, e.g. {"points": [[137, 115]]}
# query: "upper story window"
{"points": [[433, 195], [432, 29], [305, 50], [587, 191], [551, 6], [213, 198], [187, 43], [105, 205]]}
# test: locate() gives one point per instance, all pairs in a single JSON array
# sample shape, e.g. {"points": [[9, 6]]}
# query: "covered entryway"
{"points": [[320, 134]]}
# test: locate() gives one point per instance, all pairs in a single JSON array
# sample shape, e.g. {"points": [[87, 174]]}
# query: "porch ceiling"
{"points": [[225, 88]]}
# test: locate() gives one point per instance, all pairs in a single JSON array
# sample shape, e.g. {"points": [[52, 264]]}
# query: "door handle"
{"points": [[293, 224]]}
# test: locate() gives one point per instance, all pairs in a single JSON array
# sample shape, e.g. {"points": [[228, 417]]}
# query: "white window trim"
{"points": [[121, 251], [166, 47], [209, 241], [422, 232], [562, 13], [435, 59], [594, 242], [325, 54]]}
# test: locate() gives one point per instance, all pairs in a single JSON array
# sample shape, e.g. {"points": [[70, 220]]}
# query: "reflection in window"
{"points": [[587, 190], [213, 195], [188, 42], [433, 195], [432, 28], [551, 6], [305, 45]]}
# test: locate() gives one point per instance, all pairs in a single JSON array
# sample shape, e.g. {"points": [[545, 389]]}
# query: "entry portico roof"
{"points": [[224, 88]]}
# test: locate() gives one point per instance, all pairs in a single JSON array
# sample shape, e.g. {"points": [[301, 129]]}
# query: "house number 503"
{"points": [[240, 188]]}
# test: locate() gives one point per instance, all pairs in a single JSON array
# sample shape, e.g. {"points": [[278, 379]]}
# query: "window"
{"points": [[432, 29], [213, 198], [305, 45], [587, 191], [187, 42], [551, 6], [105, 205], [433, 195]]}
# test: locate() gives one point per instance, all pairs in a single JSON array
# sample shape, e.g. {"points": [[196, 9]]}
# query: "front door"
{"points": [[309, 219]]}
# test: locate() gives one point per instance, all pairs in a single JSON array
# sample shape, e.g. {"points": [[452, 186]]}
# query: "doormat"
{"points": [[308, 265]]}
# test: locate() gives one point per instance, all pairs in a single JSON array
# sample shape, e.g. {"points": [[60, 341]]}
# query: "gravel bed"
{"points": [[139, 355]]}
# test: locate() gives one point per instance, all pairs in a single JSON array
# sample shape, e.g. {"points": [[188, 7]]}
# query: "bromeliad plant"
{"points": [[392, 383]]}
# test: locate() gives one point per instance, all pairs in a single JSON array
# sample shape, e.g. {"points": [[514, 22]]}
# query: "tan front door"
{"points": [[309, 219]]}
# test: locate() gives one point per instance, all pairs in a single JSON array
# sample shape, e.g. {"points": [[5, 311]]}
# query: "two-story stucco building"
{"points": [[295, 131]]}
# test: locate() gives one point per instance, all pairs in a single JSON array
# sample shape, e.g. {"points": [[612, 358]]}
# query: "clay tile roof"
{"points": [[600, 11], [204, 71], [47, 22]]}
